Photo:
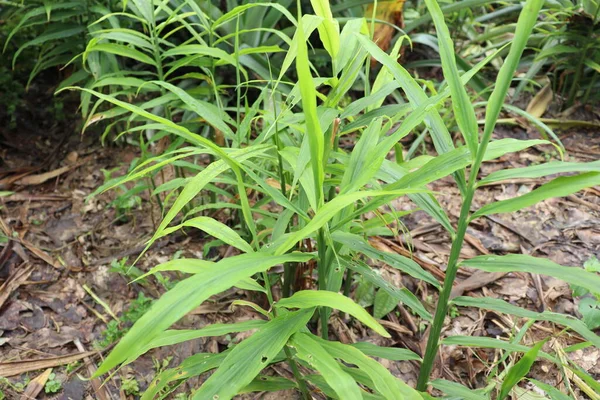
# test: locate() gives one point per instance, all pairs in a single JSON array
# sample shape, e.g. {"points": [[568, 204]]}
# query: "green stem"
{"points": [[289, 272], [457, 242], [348, 282], [322, 271], [265, 276], [296, 372], [237, 81], [442, 304]]}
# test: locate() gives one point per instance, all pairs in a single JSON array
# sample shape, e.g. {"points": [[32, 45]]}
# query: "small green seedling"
{"points": [[53, 385]]}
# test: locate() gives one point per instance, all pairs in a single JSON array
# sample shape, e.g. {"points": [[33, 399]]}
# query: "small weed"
{"points": [[137, 308], [130, 386], [53, 385], [127, 199], [130, 272], [165, 281], [453, 310], [72, 367], [161, 365], [17, 386], [589, 302], [114, 331], [111, 334]]}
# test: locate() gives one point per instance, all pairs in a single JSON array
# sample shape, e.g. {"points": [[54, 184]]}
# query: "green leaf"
{"points": [[401, 295], [267, 383], [389, 353], [36, 12], [190, 367], [519, 370], [443, 165], [359, 159], [559, 187], [491, 343], [501, 306], [527, 19], [385, 383], [187, 295], [216, 229], [534, 265], [329, 30], [358, 244], [441, 137], [56, 31], [172, 337], [590, 311], [250, 284], [120, 50], [537, 171], [553, 392], [196, 49], [383, 304], [209, 112], [323, 298], [185, 265], [241, 8], [457, 390], [332, 208], [309, 106], [251, 356], [461, 104], [315, 355]]}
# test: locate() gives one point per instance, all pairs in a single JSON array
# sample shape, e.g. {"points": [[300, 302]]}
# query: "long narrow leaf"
{"points": [[385, 383], [558, 187], [216, 229], [461, 104], [519, 370], [251, 356], [187, 295], [323, 298], [501, 306], [315, 355]]}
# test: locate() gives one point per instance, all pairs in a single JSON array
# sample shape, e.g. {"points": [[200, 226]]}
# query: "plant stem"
{"points": [[296, 372], [442, 304], [348, 282], [289, 272], [322, 271], [265, 276]]}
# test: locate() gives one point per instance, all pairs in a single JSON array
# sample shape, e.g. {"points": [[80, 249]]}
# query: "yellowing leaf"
{"points": [[539, 104]]}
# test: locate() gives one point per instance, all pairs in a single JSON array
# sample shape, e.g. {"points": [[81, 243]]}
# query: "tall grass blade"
{"points": [[309, 105]]}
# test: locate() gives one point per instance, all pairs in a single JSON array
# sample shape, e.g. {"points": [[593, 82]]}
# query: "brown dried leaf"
{"points": [[41, 178], [14, 281], [13, 368], [390, 11]]}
